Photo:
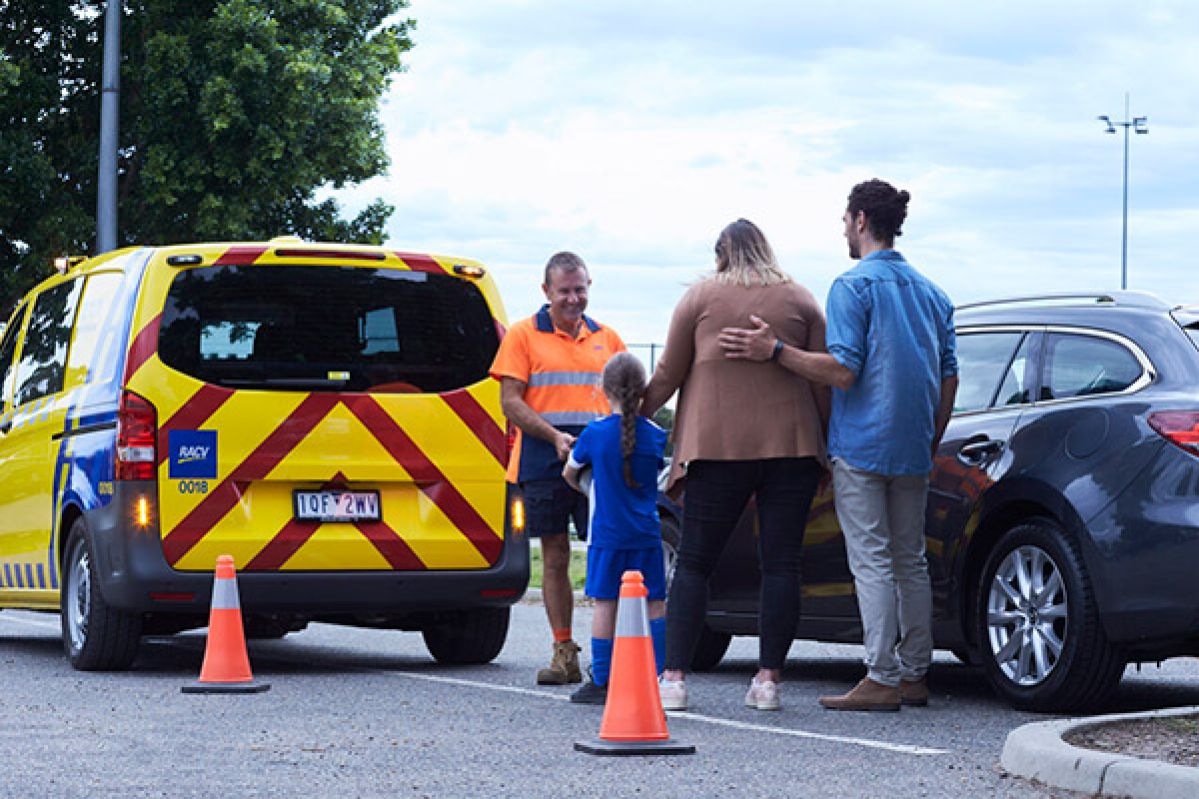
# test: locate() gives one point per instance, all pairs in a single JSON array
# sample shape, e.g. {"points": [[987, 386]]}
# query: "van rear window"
{"points": [[322, 328]]}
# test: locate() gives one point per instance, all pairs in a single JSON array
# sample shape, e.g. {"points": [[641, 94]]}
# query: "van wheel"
{"points": [[468, 636], [1041, 640], [95, 636]]}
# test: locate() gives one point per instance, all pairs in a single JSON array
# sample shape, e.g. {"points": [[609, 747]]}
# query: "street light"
{"points": [[1140, 125], [110, 101]]}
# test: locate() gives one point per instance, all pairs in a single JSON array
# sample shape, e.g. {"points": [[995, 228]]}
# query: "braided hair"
{"points": [[624, 382]]}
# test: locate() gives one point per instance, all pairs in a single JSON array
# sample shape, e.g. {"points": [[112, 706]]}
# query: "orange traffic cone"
{"points": [[634, 722], [226, 668]]}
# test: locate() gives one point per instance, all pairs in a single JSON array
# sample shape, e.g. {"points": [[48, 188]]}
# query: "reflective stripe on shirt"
{"points": [[564, 379]]}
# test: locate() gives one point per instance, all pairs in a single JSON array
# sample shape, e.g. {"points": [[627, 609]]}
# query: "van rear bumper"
{"points": [[133, 575]]}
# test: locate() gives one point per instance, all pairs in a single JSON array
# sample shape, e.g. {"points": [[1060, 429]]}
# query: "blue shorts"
{"points": [[606, 566], [549, 507]]}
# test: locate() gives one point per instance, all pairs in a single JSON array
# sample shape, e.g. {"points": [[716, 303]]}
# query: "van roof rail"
{"points": [[1128, 299]]}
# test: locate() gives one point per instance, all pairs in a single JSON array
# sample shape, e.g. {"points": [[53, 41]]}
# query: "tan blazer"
{"points": [[736, 409]]}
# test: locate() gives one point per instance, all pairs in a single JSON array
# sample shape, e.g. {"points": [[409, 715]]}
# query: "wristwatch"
{"points": [[778, 349]]}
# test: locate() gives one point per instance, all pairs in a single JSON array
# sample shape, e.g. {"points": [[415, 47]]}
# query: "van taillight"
{"points": [[137, 436], [509, 442], [1180, 428]]}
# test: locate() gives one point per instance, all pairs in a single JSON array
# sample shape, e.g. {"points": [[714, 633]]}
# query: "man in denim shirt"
{"points": [[891, 363]]}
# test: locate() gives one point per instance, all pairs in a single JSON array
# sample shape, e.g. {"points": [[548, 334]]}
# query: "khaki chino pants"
{"points": [[882, 518]]}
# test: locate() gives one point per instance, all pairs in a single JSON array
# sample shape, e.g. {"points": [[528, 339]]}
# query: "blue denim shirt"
{"points": [[893, 328]]}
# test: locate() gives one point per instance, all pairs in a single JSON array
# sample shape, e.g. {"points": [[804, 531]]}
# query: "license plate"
{"points": [[337, 506]]}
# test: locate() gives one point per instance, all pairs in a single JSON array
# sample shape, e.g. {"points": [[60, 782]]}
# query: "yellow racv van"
{"points": [[322, 412]]}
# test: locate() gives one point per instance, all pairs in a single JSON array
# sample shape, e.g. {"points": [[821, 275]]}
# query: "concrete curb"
{"points": [[1037, 751]]}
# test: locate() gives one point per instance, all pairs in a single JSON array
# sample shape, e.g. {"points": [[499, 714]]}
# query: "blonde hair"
{"points": [[744, 257], [624, 381]]}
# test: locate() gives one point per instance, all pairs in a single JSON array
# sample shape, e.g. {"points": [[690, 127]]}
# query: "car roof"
{"points": [[1100, 309]]}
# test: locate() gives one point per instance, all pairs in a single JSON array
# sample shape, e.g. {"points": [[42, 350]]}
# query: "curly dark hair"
{"points": [[885, 207]]}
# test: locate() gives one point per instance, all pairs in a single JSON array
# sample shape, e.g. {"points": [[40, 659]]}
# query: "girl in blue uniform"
{"points": [[624, 451]]}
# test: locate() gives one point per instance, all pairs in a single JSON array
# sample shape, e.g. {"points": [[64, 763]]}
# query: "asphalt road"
{"points": [[368, 713]]}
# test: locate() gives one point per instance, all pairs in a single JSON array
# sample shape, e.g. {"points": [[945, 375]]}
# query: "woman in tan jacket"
{"points": [[742, 429]]}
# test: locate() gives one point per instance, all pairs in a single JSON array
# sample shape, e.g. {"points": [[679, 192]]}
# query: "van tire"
{"points": [[94, 636], [467, 637]]}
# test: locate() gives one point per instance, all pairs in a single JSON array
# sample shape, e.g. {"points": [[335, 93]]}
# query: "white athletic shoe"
{"points": [[763, 695], [673, 694]]}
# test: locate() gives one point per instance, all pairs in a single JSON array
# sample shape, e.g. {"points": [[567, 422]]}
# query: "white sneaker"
{"points": [[673, 694], [763, 695]]}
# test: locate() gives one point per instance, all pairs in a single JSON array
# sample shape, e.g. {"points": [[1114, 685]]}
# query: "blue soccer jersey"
{"points": [[621, 516]]}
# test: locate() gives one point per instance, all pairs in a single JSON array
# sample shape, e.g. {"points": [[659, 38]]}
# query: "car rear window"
{"points": [[322, 328]]}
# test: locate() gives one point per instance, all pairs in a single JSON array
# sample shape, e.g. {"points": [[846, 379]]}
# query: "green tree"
{"points": [[234, 113]]}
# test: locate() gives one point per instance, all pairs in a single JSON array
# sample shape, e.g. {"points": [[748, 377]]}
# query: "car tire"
{"points": [[468, 636], [672, 536], [95, 636], [1040, 637], [710, 649]]}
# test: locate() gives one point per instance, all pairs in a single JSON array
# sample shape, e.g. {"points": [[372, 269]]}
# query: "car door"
{"points": [[38, 409], [996, 373]]}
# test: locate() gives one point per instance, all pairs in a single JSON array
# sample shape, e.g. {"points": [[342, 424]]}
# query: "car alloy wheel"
{"points": [[1027, 613]]}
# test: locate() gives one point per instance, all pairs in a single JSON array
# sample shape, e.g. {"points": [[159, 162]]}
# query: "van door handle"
{"points": [[976, 451]]}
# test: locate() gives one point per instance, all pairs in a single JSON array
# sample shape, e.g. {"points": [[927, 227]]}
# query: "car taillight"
{"points": [[137, 437], [1180, 428]]}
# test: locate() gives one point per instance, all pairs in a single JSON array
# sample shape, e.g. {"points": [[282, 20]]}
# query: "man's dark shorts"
{"points": [[550, 505]]}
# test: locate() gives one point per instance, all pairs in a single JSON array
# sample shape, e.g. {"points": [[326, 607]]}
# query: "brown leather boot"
{"points": [[914, 694], [866, 695], [564, 667]]}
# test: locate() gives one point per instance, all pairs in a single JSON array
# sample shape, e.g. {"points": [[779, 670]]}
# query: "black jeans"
{"points": [[716, 495]]}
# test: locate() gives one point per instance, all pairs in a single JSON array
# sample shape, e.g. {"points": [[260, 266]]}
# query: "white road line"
{"points": [[31, 623], [906, 749], [873, 744]]}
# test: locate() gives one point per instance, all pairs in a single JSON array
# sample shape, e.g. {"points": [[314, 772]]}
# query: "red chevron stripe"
{"points": [[426, 474], [479, 422], [239, 256], [393, 548], [421, 263], [193, 413], [143, 346], [256, 466], [286, 543]]}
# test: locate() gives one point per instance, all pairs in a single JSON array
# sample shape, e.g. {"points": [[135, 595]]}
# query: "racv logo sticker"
{"points": [[193, 454]]}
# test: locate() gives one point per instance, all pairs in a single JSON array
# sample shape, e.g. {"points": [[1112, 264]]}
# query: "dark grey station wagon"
{"points": [[1063, 511]]}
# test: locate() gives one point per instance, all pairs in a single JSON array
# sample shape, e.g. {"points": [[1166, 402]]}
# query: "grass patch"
{"points": [[578, 567]]}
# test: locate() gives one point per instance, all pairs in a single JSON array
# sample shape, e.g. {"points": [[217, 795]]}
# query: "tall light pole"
{"points": [[110, 100], [1140, 125]]}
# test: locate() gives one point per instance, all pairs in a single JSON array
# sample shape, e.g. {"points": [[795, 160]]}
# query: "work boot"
{"points": [[866, 695], [564, 667], [915, 693]]}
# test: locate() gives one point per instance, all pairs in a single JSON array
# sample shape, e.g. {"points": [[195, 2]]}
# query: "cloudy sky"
{"points": [[632, 131]]}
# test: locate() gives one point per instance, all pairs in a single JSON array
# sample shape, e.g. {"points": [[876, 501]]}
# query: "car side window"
{"points": [[983, 360], [99, 298], [43, 364], [1014, 390], [1079, 366], [8, 348]]}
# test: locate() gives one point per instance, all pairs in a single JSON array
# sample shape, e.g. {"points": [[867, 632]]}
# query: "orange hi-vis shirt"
{"points": [[562, 375]]}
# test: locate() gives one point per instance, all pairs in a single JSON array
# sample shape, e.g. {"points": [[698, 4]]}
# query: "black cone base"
{"points": [[226, 687], [601, 747]]}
